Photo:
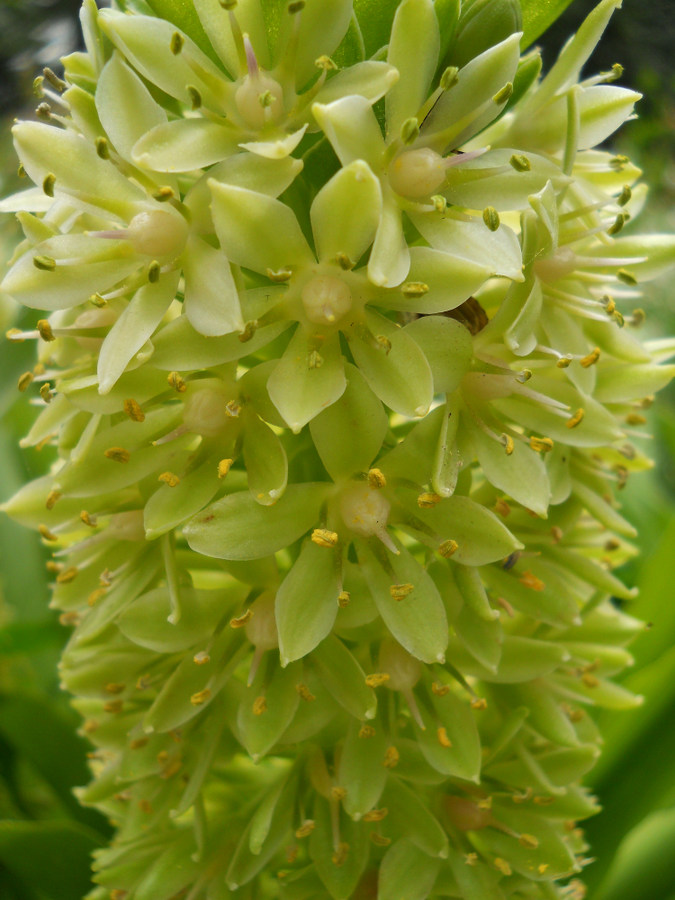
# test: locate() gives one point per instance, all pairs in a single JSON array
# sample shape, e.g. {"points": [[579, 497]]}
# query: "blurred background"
{"points": [[41, 756]]}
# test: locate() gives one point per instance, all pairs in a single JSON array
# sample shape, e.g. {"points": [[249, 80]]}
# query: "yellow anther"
{"points": [[86, 519], [142, 683], [21, 171], [591, 358], [224, 467], [278, 276], [635, 419], [52, 566], [105, 578], [339, 858], [443, 738], [470, 859], [259, 706], [176, 382], [326, 63], [575, 419], [25, 381], [176, 43], [529, 841], [114, 687], [200, 697], [502, 507], [541, 445], [133, 410], [232, 409], [250, 329], [379, 839], [414, 289], [502, 865], [15, 334], [65, 576], [344, 262], [69, 618], [520, 163], [195, 96], [625, 195], [117, 454], [169, 478], [138, 743], [48, 184], [242, 620], [410, 130], [401, 591], [305, 829], [619, 161], [154, 271], [391, 758], [564, 362], [338, 793], [324, 538], [201, 658], [479, 704], [440, 203], [542, 867], [305, 692], [46, 392], [556, 534], [343, 599], [45, 330], [491, 218], [449, 78], [113, 706], [448, 548], [503, 94], [377, 679], [440, 689], [46, 533], [376, 815], [626, 276], [507, 442], [314, 360], [376, 478], [383, 343], [609, 304], [163, 194], [428, 500], [590, 680], [96, 595], [366, 731], [543, 801], [98, 301], [529, 580]]}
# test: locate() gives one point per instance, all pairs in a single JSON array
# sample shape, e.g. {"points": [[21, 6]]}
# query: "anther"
{"points": [[224, 467], [296, 6], [322, 537], [443, 738], [448, 548], [502, 507], [154, 270], [169, 478], [618, 224], [591, 358], [200, 697], [114, 687], [44, 263], [43, 111], [102, 148], [376, 815], [88, 520], [133, 410], [376, 478], [96, 595], [326, 63], [440, 690], [367, 731], [504, 94], [46, 392], [391, 758], [575, 419], [520, 162], [379, 839], [195, 96], [529, 580], [48, 184], [57, 83], [279, 276], [67, 575], [401, 591], [428, 500], [242, 620], [305, 829], [619, 161], [98, 301], [410, 130], [626, 276], [523, 376], [52, 566], [45, 330], [46, 533], [259, 706], [625, 195], [232, 409], [503, 866], [377, 679], [343, 599], [635, 419], [414, 289], [314, 360], [176, 382], [383, 343], [176, 43], [637, 318], [541, 445], [52, 498], [491, 218], [201, 658], [563, 362], [305, 692], [344, 262], [69, 618], [228, 4], [249, 330], [507, 443], [21, 171], [25, 381], [117, 454], [449, 78], [440, 203]]}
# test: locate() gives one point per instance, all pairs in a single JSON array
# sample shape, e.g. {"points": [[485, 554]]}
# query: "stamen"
{"points": [[491, 218]]}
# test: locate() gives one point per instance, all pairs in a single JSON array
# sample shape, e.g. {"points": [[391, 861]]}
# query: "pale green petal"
{"points": [[345, 679], [301, 391], [450, 281], [211, 298], [265, 461], [237, 527], [276, 149], [349, 434], [125, 106], [216, 24], [183, 145], [257, 231], [370, 79], [478, 882], [31, 200], [447, 347], [102, 264], [323, 24], [463, 758], [306, 603], [624, 383], [522, 475], [243, 170], [659, 250], [133, 328], [346, 212], [413, 51], [170, 506], [260, 733], [406, 871], [400, 376], [146, 41], [360, 770], [351, 127], [565, 332], [79, 171], [390, 258], [472, 241], [468, 106]]}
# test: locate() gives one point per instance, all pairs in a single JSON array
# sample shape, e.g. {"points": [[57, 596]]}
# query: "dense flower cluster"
{"points": [[352, 659]]}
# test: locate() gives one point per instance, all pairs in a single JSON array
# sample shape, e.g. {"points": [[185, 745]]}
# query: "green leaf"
{"points": [[375, 18], [357, 415], [538, 15], [237, 527], [306, 603], [63, 850]]}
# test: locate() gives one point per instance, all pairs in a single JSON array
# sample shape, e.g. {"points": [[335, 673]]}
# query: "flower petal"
{"points": [[265, 461], [250, 18], [277, 149], [370, 79], [257, 231], [211, 298], [346, 212], [389, 261], [183, 145], [353, 130], [447, 347]]}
